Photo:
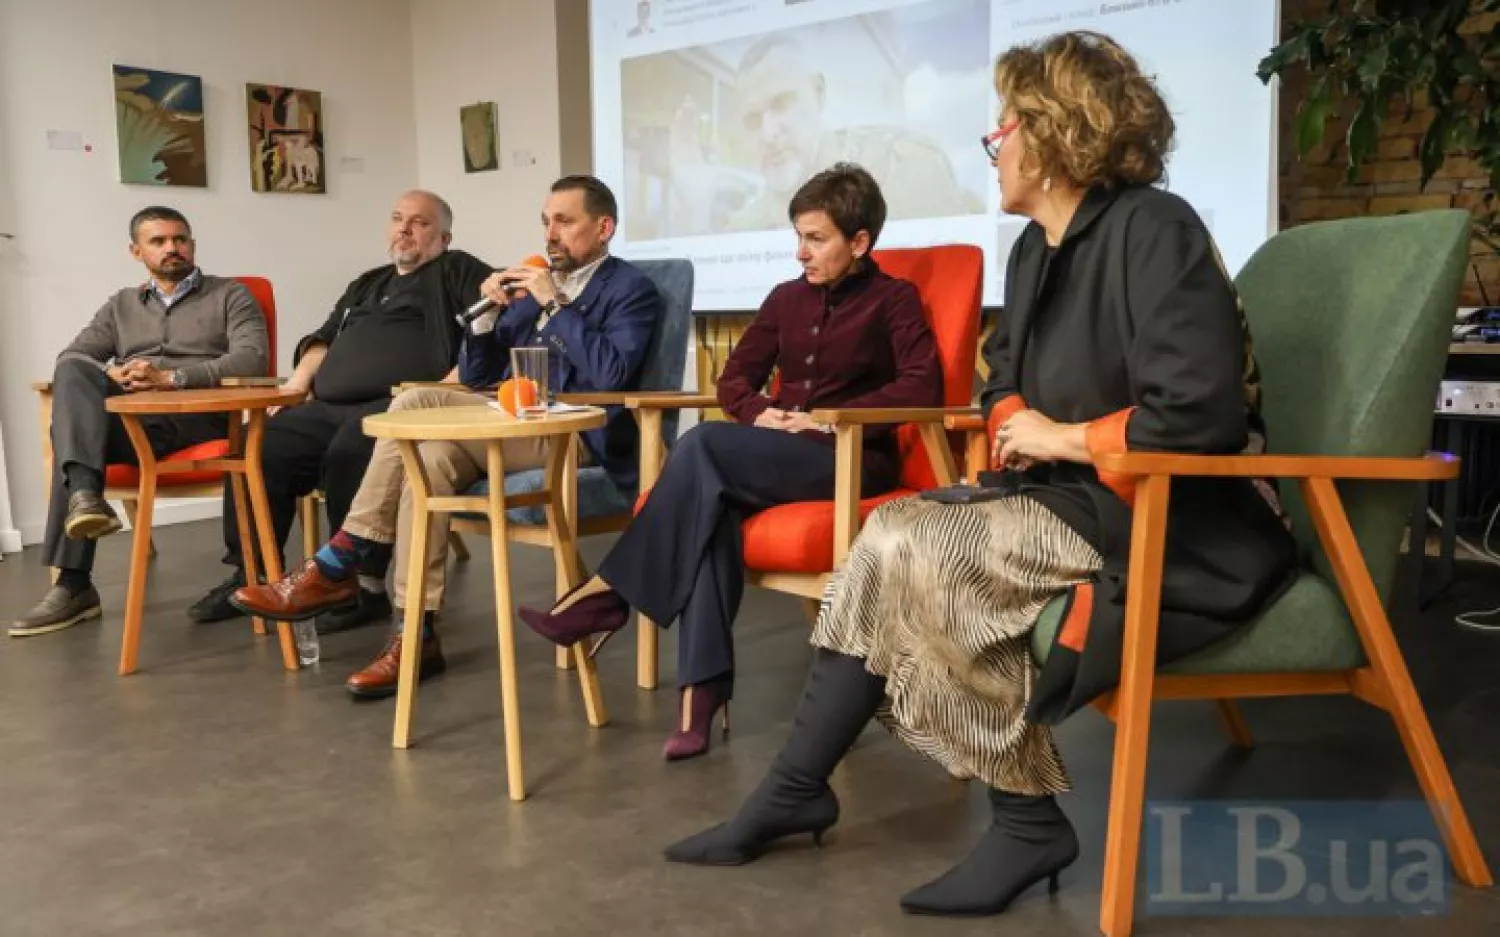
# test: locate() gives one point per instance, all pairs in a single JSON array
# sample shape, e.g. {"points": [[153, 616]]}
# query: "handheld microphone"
{"points": [[467, 317]]}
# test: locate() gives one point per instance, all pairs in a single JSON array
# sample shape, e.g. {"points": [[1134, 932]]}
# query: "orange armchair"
{"points": [[122, 481], [794, 548]]}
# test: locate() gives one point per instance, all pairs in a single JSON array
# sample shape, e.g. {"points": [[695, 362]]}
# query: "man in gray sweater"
{"points": [[181, 329]]}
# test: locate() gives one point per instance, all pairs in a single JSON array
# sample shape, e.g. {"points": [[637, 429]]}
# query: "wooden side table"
{"points": [[410, 428], [245, 413]]}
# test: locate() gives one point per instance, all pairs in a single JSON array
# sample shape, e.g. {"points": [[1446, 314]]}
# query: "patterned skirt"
{"points": [[940, 600]]}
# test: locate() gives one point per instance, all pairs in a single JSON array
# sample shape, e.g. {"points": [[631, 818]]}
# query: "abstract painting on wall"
{"points": [[159, 119], [286, 139], [481, 151]]}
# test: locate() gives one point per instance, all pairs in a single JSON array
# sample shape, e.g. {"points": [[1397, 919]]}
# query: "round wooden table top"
{"points": [[464, 424], [208, 400]]}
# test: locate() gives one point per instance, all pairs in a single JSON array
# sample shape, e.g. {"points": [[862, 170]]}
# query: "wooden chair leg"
{"points": [[561, 530], [1389, 668], [647, 652], [1127, 790], [457, 545], [653, 457], [132, 510], [307, 509], [242, 515], [140, 546], [265, 534], [1234, 724]]}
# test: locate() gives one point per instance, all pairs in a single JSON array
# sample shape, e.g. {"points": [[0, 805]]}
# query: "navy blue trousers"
{"points": [[682, 556]]}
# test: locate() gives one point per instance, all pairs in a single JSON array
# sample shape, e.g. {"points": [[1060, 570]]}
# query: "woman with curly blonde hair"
{"points": [[1121, 331]]}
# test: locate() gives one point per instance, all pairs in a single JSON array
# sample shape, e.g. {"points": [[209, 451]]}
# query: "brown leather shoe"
{"points": [[380, 676], [307, 593]]}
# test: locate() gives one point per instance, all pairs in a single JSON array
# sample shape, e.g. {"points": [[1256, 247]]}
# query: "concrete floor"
{"points": [[214, 794]]}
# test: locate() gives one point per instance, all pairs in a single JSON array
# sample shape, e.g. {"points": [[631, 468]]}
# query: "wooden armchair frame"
{"points": [[849, 433], [1384, 682]]}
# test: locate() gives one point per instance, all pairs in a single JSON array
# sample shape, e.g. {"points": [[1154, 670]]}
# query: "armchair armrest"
{"points": [[670, 400], [976, 443], [252, 381], [866, 416], [1434, 466]]}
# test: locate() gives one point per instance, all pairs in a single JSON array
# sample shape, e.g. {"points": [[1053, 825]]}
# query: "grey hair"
{"points": [[445, 211]]}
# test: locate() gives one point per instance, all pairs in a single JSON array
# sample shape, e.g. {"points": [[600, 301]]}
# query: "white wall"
{"points": [[69, 211], [504, 51]]}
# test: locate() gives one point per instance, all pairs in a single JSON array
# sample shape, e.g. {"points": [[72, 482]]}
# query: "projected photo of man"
{"points": [[718, 137]]}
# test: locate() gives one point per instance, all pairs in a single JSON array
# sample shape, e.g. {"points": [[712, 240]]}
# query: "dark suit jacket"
{"points": [[598, 343]]}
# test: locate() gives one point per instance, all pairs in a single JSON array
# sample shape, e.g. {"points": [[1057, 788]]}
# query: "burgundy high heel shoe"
{"points": [[603, 613], [696, 707]]}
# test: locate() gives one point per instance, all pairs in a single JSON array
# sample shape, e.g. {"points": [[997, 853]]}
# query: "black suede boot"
{"points": [[1029, 840], [839, 698]]}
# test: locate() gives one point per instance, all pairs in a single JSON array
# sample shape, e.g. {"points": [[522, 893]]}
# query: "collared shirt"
{"points": [[864, 343], [573, 284], [184, 287]]}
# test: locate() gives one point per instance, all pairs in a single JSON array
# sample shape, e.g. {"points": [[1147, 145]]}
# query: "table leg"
{"points": [[140, 545], [510, 703], [242, 508], [420, 487], [266, 533], [565, 555]]}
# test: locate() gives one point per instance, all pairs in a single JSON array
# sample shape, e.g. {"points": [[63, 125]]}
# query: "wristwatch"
{"points": [[179, 380]]}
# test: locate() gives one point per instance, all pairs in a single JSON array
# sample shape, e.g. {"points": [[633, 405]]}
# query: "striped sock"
{"points": [[339, 557]]}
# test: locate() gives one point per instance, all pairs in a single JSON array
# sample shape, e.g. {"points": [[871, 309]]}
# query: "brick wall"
{"points": [[1314, 189]]}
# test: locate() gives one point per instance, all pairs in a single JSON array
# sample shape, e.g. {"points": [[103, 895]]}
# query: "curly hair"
{"points": [[1086, 110]]}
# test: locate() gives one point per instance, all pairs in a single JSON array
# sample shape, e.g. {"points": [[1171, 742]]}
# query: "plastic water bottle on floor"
{"points": [[308, 651]]}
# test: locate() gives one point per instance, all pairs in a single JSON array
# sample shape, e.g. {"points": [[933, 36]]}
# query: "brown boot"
{"points": [[304, 594], [379, 677]]}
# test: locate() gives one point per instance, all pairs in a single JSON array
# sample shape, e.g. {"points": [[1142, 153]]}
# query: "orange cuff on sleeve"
{"points": [[1107, 435], [1002, 411], [1074, 631]]}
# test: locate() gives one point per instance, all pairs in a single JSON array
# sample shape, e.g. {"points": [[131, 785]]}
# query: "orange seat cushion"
{"points": [[128, 476], [798, 537]]}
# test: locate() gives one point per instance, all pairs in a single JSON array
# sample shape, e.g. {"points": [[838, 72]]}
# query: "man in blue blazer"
{"points": [[595, 314]]}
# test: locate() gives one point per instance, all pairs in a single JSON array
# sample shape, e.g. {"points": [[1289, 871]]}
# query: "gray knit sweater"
{"points": [[214, 332]]}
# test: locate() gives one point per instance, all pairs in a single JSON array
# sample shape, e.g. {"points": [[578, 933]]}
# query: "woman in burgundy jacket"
{"points": [[844, 334]]}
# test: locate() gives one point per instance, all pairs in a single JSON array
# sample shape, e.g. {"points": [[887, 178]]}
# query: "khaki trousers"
{"points": [[382, 510]]}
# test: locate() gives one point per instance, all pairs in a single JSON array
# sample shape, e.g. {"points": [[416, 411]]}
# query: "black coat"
{"points": [[1132, 326]]}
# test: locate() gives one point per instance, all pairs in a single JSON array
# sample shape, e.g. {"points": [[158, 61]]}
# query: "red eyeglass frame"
{"points": [[995, 139]]}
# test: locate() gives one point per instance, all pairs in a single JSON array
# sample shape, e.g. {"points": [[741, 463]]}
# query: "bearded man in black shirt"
{"points": [[394, 323]]}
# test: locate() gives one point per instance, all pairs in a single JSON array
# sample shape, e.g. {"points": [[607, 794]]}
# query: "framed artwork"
{"points": [[159, 127], [286, 139], [481, 149]]}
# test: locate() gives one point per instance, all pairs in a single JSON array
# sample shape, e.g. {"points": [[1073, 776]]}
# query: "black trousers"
{"points": [[316, 445], [83, 433], [682, 556]]}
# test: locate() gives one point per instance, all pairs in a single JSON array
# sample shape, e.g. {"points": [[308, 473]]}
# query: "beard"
{"points": [[411, 257], [561, 261]]}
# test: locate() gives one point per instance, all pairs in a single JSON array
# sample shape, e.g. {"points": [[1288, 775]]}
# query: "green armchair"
{"points": [[1351, 321]]}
